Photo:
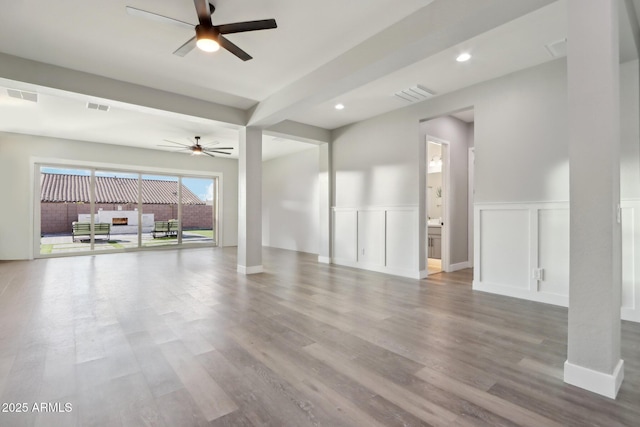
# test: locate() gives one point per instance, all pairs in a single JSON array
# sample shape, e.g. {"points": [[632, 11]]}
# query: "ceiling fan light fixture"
{"points": [[463, 57], [206, 39]]}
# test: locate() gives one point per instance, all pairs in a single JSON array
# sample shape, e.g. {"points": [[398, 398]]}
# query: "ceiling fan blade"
{"points": [[233, 48], [218, 148], [241, 27], [178, 143], [204, 15], [220, 152], [158, 18], [208, 154], [186, 48], [174, 147]]}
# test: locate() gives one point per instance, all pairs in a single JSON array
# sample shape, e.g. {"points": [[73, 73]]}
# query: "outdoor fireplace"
{"points": [[120, 221]]}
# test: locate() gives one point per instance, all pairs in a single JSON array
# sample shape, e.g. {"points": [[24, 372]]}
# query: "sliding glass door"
{"points": [[87, 210], [199, 199]]}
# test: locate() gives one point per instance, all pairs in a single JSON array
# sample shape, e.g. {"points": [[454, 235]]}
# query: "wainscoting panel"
{"points": [[383, 239], [402, 240], [630, 261], [371, 236], [345, 235], [504, 247], [553, 251], [522, 250]]}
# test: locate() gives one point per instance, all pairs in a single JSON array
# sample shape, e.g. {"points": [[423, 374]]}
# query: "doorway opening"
{"points": [[446, 218], [437, 204]]}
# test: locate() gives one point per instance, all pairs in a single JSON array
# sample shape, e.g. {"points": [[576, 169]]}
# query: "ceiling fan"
{"points": [[208, 37], [197, 148]]}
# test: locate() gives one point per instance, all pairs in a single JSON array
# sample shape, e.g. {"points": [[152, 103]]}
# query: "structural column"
{"points": [[593, 361], [250, 201], [324, 192]]}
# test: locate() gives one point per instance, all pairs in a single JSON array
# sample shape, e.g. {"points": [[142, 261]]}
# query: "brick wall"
{"points": [[57, 217]]}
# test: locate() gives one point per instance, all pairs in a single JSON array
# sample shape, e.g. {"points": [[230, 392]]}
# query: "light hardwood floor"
{"points": [[434, 265], [178, 338]]}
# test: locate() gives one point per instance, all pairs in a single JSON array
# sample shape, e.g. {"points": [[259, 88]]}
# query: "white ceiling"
{"points": [[515, 46], [99, 37], [61, 114]]}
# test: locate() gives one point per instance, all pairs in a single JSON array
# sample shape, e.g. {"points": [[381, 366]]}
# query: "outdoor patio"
{"points": [[63, 243]]}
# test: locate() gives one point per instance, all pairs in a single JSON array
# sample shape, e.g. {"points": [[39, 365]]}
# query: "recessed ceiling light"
{"points": [[463, 57], [339, 107]]}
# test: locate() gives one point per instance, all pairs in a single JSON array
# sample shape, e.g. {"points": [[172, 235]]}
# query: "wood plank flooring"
{"points": [[178, 338]]}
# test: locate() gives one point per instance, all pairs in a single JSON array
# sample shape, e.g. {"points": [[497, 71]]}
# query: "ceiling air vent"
{"points": [[415, 93], [21, 94], [94, 106], [558, 48]]}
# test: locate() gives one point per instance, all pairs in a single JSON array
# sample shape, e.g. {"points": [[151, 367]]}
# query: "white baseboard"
{"points": [[522, 293], [254, 269], [459, 266], [423, 274], [630, 314], [597, 382], [324, 259], [380, 268]]}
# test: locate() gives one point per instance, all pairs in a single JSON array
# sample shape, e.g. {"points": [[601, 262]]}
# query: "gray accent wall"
{"points": [[520, 140], [629, 131]]}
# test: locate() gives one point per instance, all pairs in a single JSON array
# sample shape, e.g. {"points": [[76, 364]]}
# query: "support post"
{"points": [[324, 192], [250, 201], [593, 359]]}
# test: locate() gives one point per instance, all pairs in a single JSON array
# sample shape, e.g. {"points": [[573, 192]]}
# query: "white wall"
{"points": [[290, 201], [18, 153], [629, 131], [375, 162]]}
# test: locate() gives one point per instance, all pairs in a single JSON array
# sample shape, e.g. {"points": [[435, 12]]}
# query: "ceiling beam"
{"points": [[437, 26], [300, 132], [52, 76]]}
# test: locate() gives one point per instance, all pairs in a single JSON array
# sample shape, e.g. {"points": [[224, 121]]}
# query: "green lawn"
{"points": [[205, 233]]}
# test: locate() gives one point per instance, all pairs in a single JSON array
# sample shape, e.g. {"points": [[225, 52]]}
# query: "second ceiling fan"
{"points": [[208, 37], [197, 148]]}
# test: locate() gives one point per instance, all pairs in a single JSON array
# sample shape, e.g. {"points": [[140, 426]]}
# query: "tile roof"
{"points": [[75, 188]]}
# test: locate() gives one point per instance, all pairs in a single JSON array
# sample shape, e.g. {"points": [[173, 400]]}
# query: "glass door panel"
{"points": [[65, 210], [160, 216], [199, 198], [116, 210]]}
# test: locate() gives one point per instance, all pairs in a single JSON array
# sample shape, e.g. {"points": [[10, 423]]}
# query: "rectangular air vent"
{"points": [[415, 93], [21, 94], [94, 106], [558, 48]]}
